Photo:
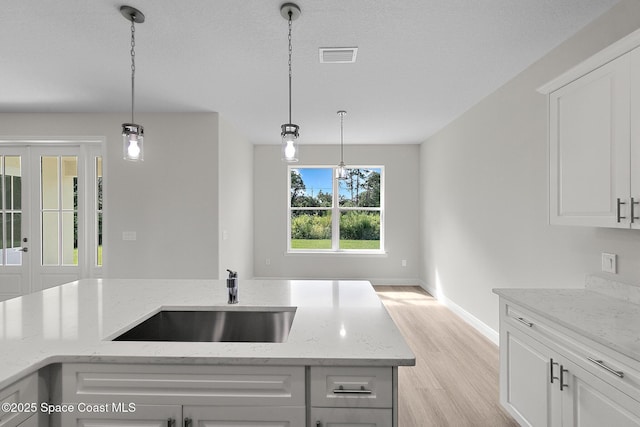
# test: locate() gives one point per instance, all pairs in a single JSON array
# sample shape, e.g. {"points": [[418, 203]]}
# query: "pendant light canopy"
{"points": [[289, 131], [341, 170], [132, 133]]}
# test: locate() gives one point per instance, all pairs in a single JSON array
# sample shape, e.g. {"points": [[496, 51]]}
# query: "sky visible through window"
{"points": [[316, 179]]}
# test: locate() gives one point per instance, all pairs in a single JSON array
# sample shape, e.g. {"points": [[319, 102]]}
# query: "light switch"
{"points": [[609, 263], [129, 235]]}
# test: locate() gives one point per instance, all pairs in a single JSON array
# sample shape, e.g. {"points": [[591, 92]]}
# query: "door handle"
{"points": [[633, 215], [551, 369], [618, 214], [23, 249], [562, 384]]}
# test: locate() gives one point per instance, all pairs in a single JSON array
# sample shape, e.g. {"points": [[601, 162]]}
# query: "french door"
{"points": [[50, 216]]}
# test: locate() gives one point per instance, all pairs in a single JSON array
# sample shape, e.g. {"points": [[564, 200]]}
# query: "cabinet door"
{"points": [[351, 417], [526, 390], [589, 145], [634, 59], [234, 416], [588, 401], [143, 416]]}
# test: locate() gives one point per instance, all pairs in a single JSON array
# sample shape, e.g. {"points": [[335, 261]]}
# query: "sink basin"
{"points": [[213, 326]]}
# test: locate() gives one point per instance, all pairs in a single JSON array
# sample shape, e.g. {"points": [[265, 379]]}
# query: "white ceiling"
{"points": [[420, 64]]}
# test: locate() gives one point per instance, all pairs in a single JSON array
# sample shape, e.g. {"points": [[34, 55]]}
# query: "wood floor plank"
{"points": [[455, 380]]}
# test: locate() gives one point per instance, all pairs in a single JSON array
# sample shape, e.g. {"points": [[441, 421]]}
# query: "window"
{"points": [[332, 215]]}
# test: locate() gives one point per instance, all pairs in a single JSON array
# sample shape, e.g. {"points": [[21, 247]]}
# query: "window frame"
{"points": [[336, 210]]}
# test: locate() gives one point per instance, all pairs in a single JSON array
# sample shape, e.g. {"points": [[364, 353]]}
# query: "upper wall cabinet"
{"points": [[594, 140]]}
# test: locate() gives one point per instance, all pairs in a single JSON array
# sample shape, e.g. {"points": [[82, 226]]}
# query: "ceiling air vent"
{"points": [[338, 55]]}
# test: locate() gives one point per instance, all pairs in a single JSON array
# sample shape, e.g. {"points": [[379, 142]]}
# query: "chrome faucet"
{"points": [[232, 287]]}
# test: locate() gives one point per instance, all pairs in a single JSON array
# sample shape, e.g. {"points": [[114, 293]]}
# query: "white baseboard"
{"points": [[374, 281], [476, 323]]}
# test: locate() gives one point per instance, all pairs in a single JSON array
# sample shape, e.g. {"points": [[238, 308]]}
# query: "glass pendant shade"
{"points": [[341, 171], [133, 142], [290, 150]]}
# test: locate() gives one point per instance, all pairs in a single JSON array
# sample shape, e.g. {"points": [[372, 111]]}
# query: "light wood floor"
{"points": [[455, 380]]}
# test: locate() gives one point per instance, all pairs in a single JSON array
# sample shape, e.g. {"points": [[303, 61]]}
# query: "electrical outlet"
{"points": [[129, 235], [609, 264], [404, 262], [267, 261]]}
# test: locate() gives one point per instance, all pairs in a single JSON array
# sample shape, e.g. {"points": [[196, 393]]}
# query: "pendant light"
{"points": [[132, 134], [289, 133], [341, 170]]}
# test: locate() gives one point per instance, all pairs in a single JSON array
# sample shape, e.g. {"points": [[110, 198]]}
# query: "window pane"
{"points": [[49, 183], [99, 182], [14, 232], [311, 187], [360, 230], [1, 237], [311, 229], [69, 182], [14, 187], [361, 188], [50, 238], [69, 238], [99, 248]]}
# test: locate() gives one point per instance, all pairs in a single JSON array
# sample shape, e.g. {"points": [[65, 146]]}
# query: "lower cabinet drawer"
{"points": [[22, 393], [184, 384], [348, 417], [352, 387]]}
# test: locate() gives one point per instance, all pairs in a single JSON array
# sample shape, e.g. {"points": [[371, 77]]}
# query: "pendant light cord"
{"points": [[133, 65], [290, 51], [341, 138]]}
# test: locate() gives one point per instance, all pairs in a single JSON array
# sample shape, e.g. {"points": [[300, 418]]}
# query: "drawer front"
{"points": [[367, 387], [347, 417], [606, 364], [180, 384], [24, 391]]}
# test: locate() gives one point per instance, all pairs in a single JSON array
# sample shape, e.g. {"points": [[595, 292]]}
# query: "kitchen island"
{"points": [[341, 337]]}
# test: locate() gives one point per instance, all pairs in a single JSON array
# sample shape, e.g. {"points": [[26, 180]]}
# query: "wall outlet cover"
{"points": [[609, 263]]}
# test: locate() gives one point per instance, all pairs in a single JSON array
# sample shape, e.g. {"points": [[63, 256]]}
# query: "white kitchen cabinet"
{"points": [[228, 416], [349, 417], [352, 396], [22, 392], [526, 389], [589, 148], [189, 395], [548, 378], [143, 416], [594, 140]]}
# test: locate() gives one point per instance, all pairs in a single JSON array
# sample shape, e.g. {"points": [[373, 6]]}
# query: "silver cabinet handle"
{"points": [[524, 322], [633, 215], [600, 363], [618, 204], [187, 422], [562, 384], [342, 390], [318, 424], [171, 422]]}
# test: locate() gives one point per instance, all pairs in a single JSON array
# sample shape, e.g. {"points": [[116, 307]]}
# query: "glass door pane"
{"points": [[59, 210], [10, 210]]}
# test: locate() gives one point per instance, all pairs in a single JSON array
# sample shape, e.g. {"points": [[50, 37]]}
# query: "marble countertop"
{"points": [[612, 322], [336, 323]]}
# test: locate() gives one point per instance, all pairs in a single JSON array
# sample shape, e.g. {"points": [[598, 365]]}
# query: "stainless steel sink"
{"points": [[213, 326]]}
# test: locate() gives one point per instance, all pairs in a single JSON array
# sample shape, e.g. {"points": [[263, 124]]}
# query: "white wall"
{"points": [[401, 212], [235, 172], [484, 192], [170, 200]]}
